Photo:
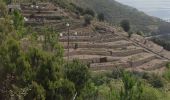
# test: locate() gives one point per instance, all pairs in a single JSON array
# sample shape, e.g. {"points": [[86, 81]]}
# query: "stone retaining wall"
{"points": [[142, 61], [72, 45]]}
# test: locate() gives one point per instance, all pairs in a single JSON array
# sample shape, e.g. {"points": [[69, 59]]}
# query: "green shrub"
{"points": [[150, 93], [166, 74], [156, 81], [87, 20], [132, 88], [125, 25], [89, 12], [117, 73], [101, 17], [168, 65]]}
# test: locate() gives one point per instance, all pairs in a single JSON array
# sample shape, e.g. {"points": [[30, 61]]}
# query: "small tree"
{"points": [[89, 12], [100, 17], [125, 25], [78, 74], [87, 20]]}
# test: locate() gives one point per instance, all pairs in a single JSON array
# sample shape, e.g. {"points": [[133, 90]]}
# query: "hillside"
{"points": [[115, 12], [98, 45], [49, 52]]}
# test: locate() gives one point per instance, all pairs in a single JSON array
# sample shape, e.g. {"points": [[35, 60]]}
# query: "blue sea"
{"points": [[157, 8]]}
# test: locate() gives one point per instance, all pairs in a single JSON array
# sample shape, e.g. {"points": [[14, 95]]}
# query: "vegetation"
{"points": [[163, 41], [87, 19], [37, 71], [115, 12], [125, 25], [101, 17]]}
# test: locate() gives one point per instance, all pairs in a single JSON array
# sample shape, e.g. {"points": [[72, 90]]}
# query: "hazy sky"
{"points": [[158, 8]]}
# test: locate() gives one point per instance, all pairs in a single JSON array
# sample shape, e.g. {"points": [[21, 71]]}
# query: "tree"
{"points": [[87, 19], [125, 25], [101, 17], [15, 70], [89, 11], [78, 74]]}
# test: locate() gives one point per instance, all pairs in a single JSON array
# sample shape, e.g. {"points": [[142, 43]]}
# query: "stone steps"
{"points": [[138, 59], [89, 39], [37, 11], [88, 59], [104, 52], [87, 44]]}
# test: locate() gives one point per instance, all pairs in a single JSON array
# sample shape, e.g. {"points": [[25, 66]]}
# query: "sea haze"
{"points": [[157, 8]]}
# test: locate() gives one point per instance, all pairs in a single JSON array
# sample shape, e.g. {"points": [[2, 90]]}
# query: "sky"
{"points": [[157, 8]]}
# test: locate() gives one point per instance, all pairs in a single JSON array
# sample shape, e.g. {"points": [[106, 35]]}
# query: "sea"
{"points": [[157, 8]]}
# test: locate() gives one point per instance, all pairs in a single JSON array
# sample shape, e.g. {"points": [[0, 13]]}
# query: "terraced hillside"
{"points": [[98, 45]]}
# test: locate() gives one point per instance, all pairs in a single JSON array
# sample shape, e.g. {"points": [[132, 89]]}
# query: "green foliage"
{"points": [[18, 20], [87, 20], [101, 17], [125, 25], [3, 9], [150, 93], [89, 11], [163, 41], [78, 74], [168, 65], [114, 12], [156, 81], [78, 10], [132, 88], [89, 92], [13, 61], [65, 90], [166, 74], [8, 1], [36, 92], [50, 39], [117, 73]]}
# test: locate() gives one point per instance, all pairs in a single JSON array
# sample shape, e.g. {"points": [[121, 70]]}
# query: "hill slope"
{"points": [[98, 45], [114, 12]]}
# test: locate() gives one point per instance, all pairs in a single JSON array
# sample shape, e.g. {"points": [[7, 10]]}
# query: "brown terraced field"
{"points": [[102, 49]]}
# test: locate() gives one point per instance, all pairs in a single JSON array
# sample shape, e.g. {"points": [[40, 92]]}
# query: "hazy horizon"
{"points": [[157, 8]]}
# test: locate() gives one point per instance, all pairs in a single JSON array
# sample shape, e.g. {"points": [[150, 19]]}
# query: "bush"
{"points": [[132, 88], [89, 12], [87, 20], [125, 25], [156, 81], [166, 75], [78, 74], [150, 93], [117, 73], [100, 17]]}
